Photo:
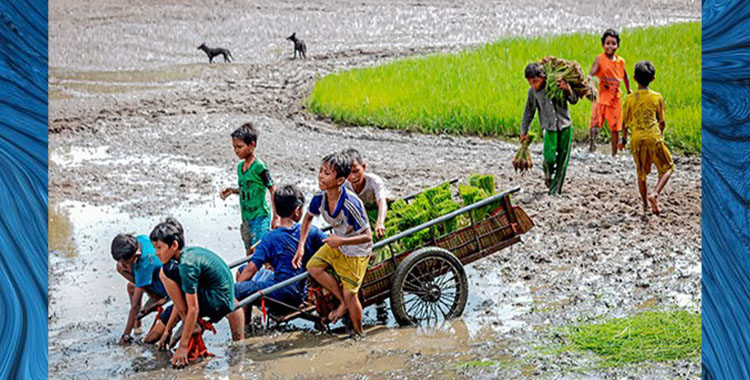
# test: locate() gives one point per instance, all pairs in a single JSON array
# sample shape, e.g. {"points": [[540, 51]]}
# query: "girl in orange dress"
{"points": [[609, 68]]}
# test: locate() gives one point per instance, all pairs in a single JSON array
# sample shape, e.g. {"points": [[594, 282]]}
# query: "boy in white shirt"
{"points": [[368, 187]]}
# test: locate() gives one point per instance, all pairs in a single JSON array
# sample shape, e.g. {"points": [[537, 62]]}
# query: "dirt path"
{"points": [[140, 129]]}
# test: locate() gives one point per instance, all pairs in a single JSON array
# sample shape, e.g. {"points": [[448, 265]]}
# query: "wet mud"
{"points": [[139, 129]]}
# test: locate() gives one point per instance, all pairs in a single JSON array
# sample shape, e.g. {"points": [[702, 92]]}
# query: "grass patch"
{"points": [[483, 91], [646, 337]]}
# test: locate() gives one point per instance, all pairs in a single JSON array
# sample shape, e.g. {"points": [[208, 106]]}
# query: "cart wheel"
{"points": [[429, 286]]}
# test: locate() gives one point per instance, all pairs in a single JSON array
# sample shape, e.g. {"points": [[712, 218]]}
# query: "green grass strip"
{"points": [[483, 91], [648, 336]]}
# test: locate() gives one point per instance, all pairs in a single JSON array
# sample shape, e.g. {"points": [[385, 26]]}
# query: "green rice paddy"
{"points": [[483, 91]]}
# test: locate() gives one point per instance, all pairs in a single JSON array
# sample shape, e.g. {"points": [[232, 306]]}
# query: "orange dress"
{"points": [[609, 106]]}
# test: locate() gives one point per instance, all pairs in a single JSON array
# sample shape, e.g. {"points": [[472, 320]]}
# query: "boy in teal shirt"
{"points": [[204, 288], [253, 178]]}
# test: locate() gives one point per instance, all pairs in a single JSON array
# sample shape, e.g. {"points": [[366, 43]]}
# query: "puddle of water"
{"points": [[60, 233], [74, 156], [160, 75]]}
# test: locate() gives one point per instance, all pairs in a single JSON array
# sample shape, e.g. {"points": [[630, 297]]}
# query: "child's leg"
{"points": [[562, 158], [323, 258], [594, 126], [593, 135], [644, 193], [550, 156], [659, 187], [237, 323], [329, 283], [615, 139], [355, 310], [663, 179], [153, 335]]}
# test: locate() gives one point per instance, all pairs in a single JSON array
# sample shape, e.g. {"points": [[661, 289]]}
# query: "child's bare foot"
{"points": [[338, 313], [654, 205]]}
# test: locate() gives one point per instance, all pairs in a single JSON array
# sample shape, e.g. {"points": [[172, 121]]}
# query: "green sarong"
{"points": [[556, 157]]}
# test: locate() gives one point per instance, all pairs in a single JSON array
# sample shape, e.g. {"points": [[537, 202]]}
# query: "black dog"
{"points": [[299, 46], [213, 52]]}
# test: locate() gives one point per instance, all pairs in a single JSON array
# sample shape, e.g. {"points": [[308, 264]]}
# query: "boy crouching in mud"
{"points": [[348, 249], [554, 119], [138, 263], [201, 286]]}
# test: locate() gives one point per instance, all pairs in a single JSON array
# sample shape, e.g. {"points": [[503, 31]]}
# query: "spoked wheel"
{"points": [[429, 287]]}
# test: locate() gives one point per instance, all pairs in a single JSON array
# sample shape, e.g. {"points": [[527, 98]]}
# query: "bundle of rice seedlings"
{"points": [[569, 71], [522, 161]]}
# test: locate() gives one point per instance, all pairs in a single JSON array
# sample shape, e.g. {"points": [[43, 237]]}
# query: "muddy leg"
{"points": [[329, 283], [593, 135], [615, 138], [355, 310], [659, 187], [237, 323], [644, 193]]}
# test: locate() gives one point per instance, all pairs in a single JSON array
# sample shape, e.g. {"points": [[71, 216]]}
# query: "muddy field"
{"points": [[139, 129]]}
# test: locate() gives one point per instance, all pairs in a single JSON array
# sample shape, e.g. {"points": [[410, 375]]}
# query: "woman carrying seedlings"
{"points": [[554, 119]]}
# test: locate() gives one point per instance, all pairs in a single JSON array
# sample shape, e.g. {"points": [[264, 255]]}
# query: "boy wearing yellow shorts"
{"points": [[644, 110], [347, 250]]}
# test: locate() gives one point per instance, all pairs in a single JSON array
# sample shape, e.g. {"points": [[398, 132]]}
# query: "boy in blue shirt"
{"points": [[138, 263], [278, 248], [348, 249]]}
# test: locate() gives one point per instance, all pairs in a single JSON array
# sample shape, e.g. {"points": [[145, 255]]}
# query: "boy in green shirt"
{"points": [[201, 287], [253, 179]]}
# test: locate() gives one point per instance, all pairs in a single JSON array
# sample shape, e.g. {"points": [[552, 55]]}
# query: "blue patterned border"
{"points": [[726, 189], [23, 189]]}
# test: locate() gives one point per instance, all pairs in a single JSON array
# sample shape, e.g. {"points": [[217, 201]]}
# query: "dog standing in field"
{"points": [[213, 52], [299, 46]]}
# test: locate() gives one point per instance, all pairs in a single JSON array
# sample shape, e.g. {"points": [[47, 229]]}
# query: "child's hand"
{"points": [[163, 343], [379, 230], [226, 192], [297, 260], [125, 340], [179, 359], [564, 86], [333, 241]]}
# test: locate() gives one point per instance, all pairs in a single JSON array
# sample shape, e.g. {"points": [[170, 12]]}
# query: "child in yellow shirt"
{"points": [[644, 110]]}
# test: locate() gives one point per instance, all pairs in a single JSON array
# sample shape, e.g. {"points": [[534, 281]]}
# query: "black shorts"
{"points": [[204, 311]]}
